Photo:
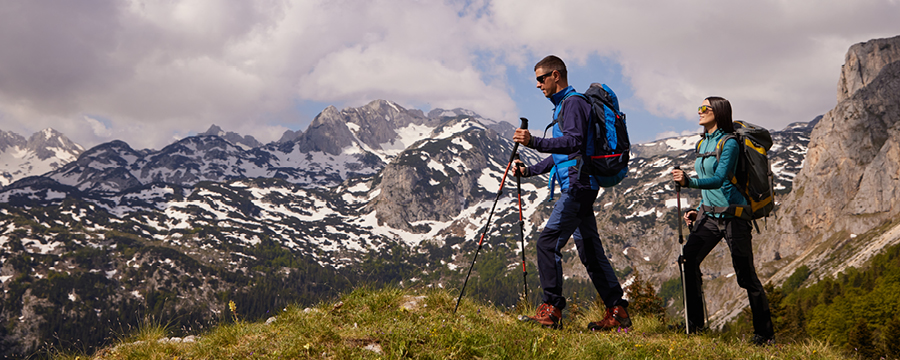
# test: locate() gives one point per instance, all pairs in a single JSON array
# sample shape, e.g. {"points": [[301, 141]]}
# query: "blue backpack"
{"points": [[609, 151], [608, 147]]}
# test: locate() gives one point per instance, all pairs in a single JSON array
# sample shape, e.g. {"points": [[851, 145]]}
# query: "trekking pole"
{"points": [[487, 225], [522, 226], [681, 253]]}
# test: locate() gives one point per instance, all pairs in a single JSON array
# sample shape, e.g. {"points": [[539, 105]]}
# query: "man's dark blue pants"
{"points": [[573, 216]]}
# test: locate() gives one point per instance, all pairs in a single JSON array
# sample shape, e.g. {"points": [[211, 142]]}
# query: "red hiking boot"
{"points": [[616, 317], [547, 316]]}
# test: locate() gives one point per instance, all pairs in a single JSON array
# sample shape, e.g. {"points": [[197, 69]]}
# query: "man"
{"points": [[573, 214]]}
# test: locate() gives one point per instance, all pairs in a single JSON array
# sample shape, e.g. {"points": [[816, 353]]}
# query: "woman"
{"points": [[710, 227]]}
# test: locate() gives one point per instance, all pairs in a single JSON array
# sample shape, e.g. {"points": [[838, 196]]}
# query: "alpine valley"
{"points": [[94, 243]]}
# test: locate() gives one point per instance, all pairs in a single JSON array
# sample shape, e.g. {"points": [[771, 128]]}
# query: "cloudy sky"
{"points": [[151, 71]]}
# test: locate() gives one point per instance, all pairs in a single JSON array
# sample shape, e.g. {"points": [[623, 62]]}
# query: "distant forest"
{"points": [[858, 310]]}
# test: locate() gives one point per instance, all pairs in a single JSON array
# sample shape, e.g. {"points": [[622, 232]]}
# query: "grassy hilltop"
{"points": [[394, 324]]}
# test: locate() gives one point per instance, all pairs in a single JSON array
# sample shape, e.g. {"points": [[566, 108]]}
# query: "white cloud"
{"points": [[671, 134], [358, 75], [777, 61], [98, 127], [154, 69]]}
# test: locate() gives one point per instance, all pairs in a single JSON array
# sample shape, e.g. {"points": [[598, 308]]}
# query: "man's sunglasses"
{"points": [[704, 108], [540, 79]]}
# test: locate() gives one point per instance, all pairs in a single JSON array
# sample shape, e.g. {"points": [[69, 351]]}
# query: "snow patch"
{"points": [[406, 137], [674, 202]]}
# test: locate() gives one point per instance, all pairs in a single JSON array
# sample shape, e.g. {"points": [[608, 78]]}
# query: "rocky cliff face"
{"points": [[863, 63], [850, 180]]}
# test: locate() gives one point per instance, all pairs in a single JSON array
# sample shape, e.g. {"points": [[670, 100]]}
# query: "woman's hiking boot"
{"points": [[616, 317], [760, 340], [547, 316]]}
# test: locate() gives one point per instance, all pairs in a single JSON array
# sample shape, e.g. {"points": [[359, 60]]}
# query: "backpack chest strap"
{"points": [[717, 151]]}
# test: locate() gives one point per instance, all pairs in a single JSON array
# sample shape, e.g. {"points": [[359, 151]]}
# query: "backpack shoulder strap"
{"points": [[732, 176], [558, 112], [721, 144]]}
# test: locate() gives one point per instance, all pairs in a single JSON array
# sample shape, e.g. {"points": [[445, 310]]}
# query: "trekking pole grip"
{"points": [[678, 184], [516, 145]]}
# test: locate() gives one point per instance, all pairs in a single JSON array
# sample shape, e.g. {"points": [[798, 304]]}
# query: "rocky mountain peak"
{"points": [[289, 136], [372, 125], [394, 111], [10, 139], [213, 130], [117, 147], [384, 106], [377, 122], [327, 133], [504, 128], [863, 63], [245, 142], [50, 143]]}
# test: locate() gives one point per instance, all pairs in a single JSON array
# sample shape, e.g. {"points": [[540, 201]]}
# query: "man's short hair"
{"points": [[552, 62]]}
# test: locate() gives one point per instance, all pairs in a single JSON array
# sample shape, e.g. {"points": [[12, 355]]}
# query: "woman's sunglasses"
{"points": [[704, 108]]}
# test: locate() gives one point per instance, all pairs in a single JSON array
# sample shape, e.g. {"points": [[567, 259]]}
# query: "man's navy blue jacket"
{"points": [[567, 144]]}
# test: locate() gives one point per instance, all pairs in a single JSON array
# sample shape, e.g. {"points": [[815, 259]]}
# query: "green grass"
{"points": [[377, 319]]}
